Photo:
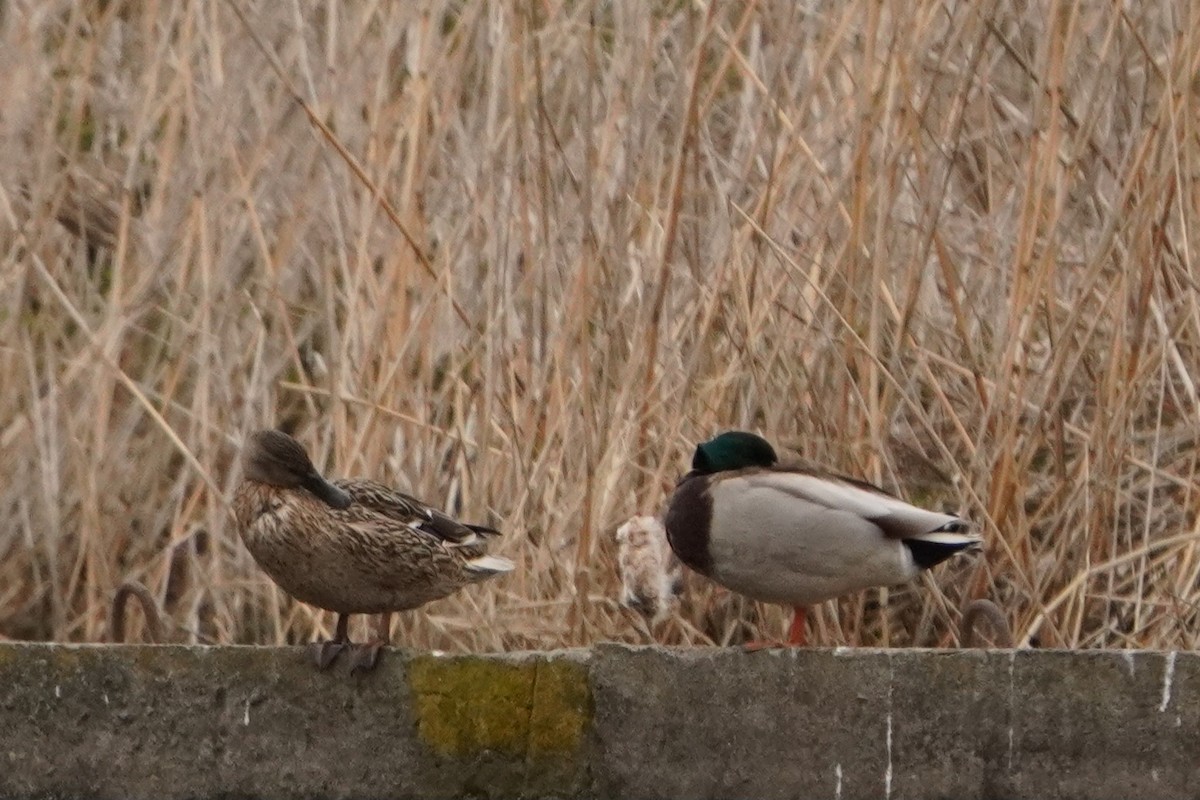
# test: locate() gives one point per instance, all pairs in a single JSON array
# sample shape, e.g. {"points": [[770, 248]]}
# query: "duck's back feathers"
{"points": [[396, 505], [896, 518], [383, 500]]}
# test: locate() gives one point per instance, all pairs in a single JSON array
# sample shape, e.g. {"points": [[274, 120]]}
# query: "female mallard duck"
{"points": [[798, 536], [351, 546]]}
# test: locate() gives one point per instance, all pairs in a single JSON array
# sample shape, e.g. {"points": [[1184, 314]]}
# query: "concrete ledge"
{"points": [[612, 722]]}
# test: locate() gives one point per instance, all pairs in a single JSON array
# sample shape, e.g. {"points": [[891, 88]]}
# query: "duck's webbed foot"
{"points": [[325, 653], [366, 656]]}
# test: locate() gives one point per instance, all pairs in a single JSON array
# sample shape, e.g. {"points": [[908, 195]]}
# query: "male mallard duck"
{"points": [[351, 546], [798, 536]]}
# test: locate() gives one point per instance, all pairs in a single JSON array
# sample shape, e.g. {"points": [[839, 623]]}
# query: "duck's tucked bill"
{"points": [[275, 459]]}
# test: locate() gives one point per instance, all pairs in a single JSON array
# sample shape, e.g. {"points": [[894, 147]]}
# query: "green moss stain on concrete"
{"points": [[467, 705], [562, 708], [530, 709]]}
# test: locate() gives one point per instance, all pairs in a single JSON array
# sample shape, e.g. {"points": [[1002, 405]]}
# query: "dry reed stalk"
{"points": [[519, 259]]}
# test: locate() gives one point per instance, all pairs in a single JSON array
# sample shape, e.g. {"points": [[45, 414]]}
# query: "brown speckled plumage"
{"points": [[383, 551]]}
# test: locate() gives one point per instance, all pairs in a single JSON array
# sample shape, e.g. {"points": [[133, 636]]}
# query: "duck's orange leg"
{"points": [[367, 656], [796, 636]]}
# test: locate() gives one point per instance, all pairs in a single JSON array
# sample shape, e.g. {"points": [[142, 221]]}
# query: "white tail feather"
{"points": [[490, 564], [948, 538]]}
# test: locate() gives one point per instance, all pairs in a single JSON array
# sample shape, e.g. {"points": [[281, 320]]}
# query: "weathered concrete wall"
{"points": [[613, 722]]}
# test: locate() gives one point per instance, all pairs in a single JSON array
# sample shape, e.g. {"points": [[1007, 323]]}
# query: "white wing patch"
{"points": [[471, 540]]}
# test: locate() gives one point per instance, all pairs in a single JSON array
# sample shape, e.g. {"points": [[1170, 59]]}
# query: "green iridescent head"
{"points": [[733, 450]]}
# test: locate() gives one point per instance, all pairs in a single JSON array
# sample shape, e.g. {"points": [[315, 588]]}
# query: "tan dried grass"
{"points": [[942, 245]]}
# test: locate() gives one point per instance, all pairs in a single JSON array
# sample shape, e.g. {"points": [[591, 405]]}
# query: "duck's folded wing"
{"points": [[408, 510], [896, 518], [392, 555], [452, 531], [780, 540]]}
